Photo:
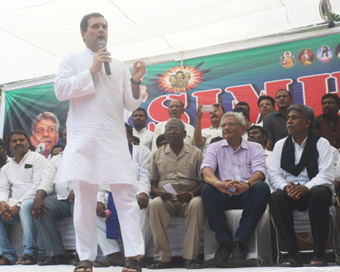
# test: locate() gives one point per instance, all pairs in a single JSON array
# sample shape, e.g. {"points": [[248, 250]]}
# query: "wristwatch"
{"points": [[247, 181]]}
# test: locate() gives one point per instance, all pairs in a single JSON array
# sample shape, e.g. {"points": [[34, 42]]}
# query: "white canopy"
{"points": [[36, 34]]}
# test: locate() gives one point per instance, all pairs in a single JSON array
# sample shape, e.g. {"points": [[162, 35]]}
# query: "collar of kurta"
{"points": [[244, 144]]}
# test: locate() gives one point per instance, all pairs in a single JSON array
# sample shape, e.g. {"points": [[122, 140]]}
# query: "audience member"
{"points": [[216, 139], [45, 127], [176, 165], [135, 140], [246, 118], [266, 105], [139, 118], [203, 137], [3, 153], [302, 173], [160, 141], [234, 170], [141, 156], [18, 183], [328, 123], [275, 122], [175, 110], [57, 149], [243, 105]]}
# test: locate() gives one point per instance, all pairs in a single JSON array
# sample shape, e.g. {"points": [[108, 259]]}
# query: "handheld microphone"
{"points": [[102, 44], [40, 148]]}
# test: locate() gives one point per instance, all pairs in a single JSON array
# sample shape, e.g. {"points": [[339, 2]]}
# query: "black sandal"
{"points": [[132, 264], [318, 261], [291, 261], [193, 264], [86, 265], [159, 265]]}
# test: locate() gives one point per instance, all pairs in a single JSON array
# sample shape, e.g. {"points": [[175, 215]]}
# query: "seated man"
{"points": [[54, 202], [301, 171], [19, 179], [176, 165], [234, 170]]}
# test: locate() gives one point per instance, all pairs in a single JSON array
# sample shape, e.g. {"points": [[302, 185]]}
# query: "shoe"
{"points": [[27, 260], [4, 261], [114, 259], [222, 253], [291, 261], [318, 261], [159, 265], [55, 260], [193, 264], [240, 250]]}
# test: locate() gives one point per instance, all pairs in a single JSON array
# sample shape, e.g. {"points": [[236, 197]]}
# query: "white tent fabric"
{"points": [[36, 34]]}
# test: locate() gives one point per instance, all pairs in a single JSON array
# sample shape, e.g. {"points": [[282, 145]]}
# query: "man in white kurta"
{"points": [[97, 150], [175, 110]]}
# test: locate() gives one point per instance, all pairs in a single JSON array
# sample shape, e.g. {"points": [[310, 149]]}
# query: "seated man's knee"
{"points": [[320, 195], [26, 207], [208, 190], [262, 188]]}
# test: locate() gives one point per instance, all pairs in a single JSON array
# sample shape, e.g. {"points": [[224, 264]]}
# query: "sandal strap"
{"points": [[85, 264], [133, 264]]}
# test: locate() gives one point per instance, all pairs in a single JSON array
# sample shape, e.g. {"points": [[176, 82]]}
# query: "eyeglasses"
{"points": [[231, 125]]}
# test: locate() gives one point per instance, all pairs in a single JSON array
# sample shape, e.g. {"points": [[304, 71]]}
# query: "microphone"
{"points": [[102, 44], [40, 148]]}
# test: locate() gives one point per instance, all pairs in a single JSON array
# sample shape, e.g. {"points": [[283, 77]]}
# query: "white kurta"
{"points": [[97, 149]]}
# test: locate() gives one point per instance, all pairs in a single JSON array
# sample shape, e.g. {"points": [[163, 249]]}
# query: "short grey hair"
{"points": [[43, 116], [306, 111], [238, 115], [175, 120]]}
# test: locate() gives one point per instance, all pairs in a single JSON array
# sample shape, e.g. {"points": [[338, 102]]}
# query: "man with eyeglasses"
{"points": [[234, 170], [266, 105]]}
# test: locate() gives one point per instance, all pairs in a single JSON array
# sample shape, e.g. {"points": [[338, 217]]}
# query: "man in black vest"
{"points": [[301, 171]]}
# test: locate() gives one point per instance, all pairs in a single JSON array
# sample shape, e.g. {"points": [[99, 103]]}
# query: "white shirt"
{"points": [[47, 184], [278, 178], [97, 148], [19, 181], [141, 156], [208, 134], [160, 129], [145, 137]]}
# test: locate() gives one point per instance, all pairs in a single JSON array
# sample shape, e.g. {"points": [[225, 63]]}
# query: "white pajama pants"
{"points": [[85, 223]]}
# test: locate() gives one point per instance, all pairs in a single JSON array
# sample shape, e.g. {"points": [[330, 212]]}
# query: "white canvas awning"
{"points": [[36, 34]]}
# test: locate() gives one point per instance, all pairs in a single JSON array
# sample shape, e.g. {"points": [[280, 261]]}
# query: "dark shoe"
{"points": [[222, 253], [27, 260], [114, 259], [55, 260], [132, 265], [84, 266], [159, 265], [5, 261], [291, 261], [193, 264], [318, 261], [240, 250]]}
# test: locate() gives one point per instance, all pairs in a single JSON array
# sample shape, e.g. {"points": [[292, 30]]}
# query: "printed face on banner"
{"points": [[45, 132]]}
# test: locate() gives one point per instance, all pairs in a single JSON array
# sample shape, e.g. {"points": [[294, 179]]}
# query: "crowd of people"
{"points": [[289, 161]]}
